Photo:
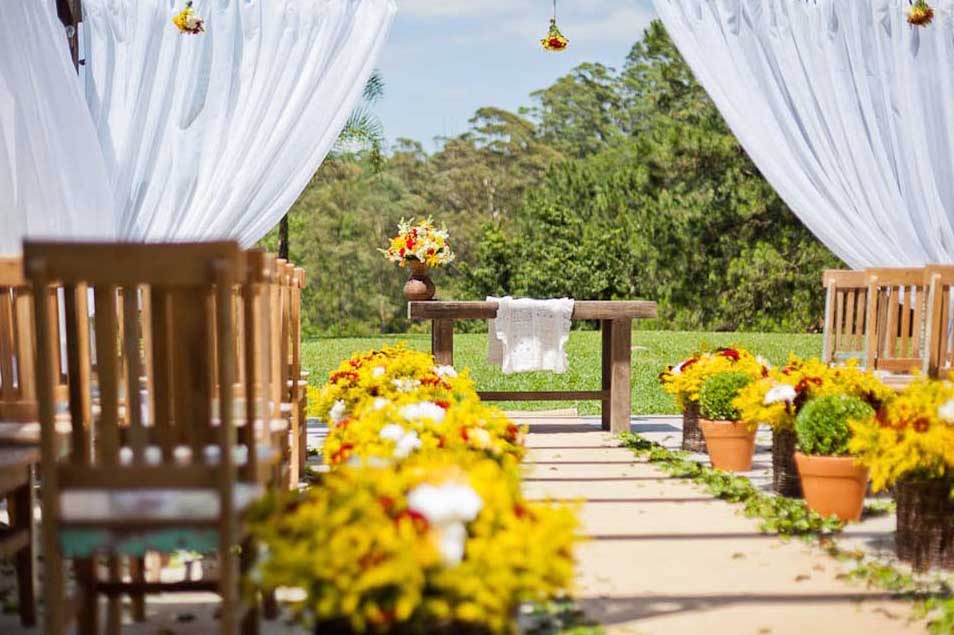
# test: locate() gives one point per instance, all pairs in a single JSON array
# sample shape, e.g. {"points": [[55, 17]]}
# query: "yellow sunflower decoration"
{"points": [[554, 41], [920, 13]]}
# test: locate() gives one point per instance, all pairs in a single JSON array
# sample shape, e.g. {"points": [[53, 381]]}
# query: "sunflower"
{"points": [[920, 13]]}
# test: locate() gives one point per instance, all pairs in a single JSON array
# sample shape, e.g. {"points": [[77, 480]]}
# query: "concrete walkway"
{"points": [[665, 558]]}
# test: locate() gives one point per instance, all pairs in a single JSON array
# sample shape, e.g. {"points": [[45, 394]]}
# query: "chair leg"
{"points": [[228, 587], [250, 619], [54, 582], [137, 571], [114, 604], [88, 618], [21, 511]]}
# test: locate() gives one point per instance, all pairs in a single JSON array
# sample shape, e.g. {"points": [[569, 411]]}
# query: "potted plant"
{"points": [[420, 247], [777, 399], [731, 442], [833, 481], [684, 382], [909, 445]]}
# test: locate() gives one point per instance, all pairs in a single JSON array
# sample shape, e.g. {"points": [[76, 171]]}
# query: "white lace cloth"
{"points": [[530, 335]]}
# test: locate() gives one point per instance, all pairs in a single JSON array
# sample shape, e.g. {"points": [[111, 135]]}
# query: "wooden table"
{"points": [[616, 322]]}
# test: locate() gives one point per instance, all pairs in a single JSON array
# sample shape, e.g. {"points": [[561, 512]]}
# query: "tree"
{"points": [[362, 130]]}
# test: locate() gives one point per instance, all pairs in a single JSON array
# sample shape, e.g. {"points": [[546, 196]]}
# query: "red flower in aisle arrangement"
{"points": [[920, 13], [189, 22]]}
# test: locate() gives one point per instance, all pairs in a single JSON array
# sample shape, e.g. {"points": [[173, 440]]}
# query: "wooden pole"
{"points": [[70, 13]]}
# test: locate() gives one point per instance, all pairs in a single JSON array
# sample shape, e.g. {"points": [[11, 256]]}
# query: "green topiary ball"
{"points": [[822, 425], [715, 400]]}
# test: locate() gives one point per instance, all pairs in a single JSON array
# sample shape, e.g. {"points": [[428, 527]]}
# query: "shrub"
{"points": [[822, 425], [718, 393]]}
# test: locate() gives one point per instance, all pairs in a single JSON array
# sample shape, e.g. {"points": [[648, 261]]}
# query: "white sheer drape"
{"points": [[846, 109], [52, 178], [216, 135]]}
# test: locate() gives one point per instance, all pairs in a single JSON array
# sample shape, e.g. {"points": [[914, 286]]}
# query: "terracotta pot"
{"points": [[833, 485], [925, 535], [419, 286], [731, 444], [785, 479], [692, 439]]}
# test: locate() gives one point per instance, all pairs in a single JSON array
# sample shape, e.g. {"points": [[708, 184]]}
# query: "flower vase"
{"points": [[419, 286]]}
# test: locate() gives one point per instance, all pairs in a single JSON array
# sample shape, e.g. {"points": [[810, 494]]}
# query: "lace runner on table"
{"points": [[530, 335]]}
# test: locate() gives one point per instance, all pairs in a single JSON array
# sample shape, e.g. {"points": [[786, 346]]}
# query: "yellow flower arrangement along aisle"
{"points": [[684, 382], [419, 525], [909, 445], [776, 399]]}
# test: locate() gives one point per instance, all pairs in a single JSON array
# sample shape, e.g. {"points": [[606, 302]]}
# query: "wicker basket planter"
{"points": [[925, 536], [692, 438], [785, 478]]}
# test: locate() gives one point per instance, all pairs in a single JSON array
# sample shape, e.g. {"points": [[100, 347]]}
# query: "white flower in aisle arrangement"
{"points": [[405, 442], [445, 371], [379, 371], [779, 393], [380, 402], [448, 508], [423, 410], [406, 385], [337, 412], [946, 412]]}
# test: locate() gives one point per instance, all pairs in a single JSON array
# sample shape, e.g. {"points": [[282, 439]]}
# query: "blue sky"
{"points": [[446, 58]]}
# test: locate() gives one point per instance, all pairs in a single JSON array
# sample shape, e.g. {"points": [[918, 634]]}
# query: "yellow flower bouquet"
{"points": [[421, 242], [437, 544], [684, 382], [776, 400], [909, 445]]}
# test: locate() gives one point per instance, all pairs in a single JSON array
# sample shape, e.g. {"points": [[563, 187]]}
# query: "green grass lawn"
{"points": [[652, 351]]}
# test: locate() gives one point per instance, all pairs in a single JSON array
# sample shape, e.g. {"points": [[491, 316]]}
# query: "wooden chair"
{"points": [[896, 310], [174, 482], [846, 299], [16, 539], [939, 345], [298, 382]]}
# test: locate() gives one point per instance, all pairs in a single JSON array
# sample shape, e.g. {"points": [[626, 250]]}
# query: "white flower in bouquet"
{"points": [[405, 384], [779, 393]]}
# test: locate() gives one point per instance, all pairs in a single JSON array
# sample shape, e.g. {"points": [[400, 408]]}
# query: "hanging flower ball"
{"points": [[554, 41], [920, 13], [189, 22]]}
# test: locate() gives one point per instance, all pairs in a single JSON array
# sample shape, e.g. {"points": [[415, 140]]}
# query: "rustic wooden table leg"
{"points": [[442, 341], [606, 331], [620, 371]]}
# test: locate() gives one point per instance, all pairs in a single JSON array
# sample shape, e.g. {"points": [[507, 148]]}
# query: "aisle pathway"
{"points": [[665, 558]]}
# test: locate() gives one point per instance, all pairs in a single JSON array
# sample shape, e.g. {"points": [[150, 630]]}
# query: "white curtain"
{"points": [[52, 177], [846, 109], [216, 135]]}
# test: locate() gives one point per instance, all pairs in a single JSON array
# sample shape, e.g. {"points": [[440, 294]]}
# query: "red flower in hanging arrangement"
{"points": [[554, 41], [189, 22], [920, 13]]}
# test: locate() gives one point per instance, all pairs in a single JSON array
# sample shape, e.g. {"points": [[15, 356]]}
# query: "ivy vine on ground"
{"points": [[933, 595]]}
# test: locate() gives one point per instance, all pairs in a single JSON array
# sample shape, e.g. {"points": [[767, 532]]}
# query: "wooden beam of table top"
{"points": [[582, 310]]}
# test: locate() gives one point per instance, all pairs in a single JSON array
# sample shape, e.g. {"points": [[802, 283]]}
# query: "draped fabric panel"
{"points": [[52, 176], [216, 135], [846, 109]]}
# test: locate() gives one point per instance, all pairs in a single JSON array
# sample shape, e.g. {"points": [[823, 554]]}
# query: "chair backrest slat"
{"points": [[895, 308], [108, 375], [78, 370], [845, 315], [133, 350]]}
